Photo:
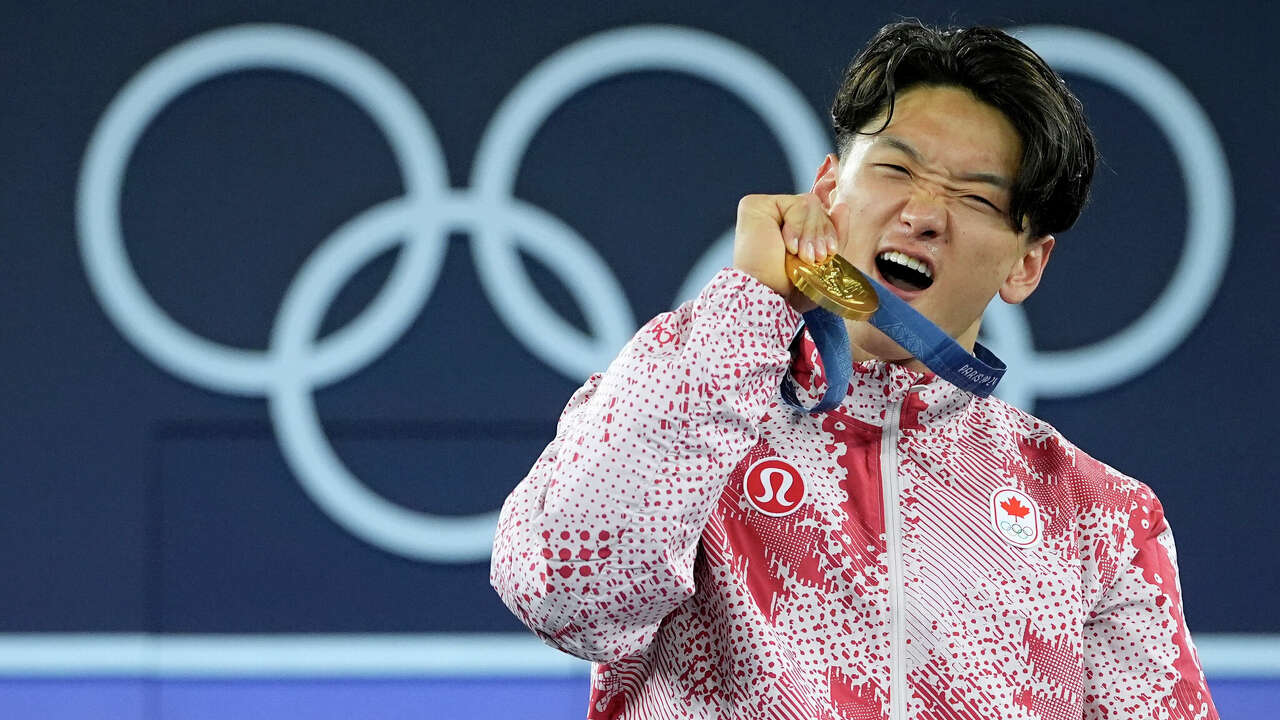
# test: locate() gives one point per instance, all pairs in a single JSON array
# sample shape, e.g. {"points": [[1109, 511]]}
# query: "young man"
{"points": [[917, 552]]}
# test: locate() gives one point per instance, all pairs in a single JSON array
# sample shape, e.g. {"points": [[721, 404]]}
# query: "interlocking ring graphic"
{"points": [[296, 363]]}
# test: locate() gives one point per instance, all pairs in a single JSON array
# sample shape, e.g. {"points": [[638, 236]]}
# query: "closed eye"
{"points": [[895, 168], [984, 201]]}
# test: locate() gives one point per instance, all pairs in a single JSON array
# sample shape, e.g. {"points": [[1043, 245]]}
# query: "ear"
{"points": [[824, 185], [1026, 272]]}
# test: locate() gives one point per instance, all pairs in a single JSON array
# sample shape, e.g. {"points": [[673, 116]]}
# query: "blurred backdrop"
{"points": [[293, 294]]}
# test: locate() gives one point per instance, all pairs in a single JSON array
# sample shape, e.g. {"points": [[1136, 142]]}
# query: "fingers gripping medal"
{"points": [[835, 285]]}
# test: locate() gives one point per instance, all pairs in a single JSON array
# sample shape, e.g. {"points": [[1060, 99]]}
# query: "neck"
{"points": [[908, 362], [894, 354]]}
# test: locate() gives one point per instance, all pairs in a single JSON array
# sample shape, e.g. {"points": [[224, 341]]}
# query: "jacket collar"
{"points": [[875, 385]]}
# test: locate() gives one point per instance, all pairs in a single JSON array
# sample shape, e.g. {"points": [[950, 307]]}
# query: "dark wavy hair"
{"points": [[1058, 150]]}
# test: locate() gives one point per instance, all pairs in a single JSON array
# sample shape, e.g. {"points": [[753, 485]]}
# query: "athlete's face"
{"points": [[928, 201]]}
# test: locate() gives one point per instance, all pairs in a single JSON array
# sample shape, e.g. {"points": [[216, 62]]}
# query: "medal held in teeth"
{"points": [[835, 285]]}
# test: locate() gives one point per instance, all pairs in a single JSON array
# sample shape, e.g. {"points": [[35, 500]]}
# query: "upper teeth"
{"points": [[901, 259]]}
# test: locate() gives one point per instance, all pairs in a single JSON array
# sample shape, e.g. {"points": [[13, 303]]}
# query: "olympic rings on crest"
{"points": [[1018, 529]]}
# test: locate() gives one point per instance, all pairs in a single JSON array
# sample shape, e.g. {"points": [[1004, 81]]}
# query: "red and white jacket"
{"points": [[918, 552]]}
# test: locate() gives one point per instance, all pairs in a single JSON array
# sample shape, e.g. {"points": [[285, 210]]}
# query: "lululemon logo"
{"points": [[773, 487], [1016, 517]]}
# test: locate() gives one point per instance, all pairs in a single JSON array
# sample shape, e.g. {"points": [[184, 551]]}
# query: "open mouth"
{"points": [[903, 272]]}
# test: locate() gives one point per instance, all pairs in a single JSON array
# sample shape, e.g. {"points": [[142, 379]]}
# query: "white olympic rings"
{"points": [[296, 363]]}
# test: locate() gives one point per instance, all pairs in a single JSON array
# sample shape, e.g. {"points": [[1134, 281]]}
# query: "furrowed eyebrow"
{"points": [[902, 145], [899, 144]]}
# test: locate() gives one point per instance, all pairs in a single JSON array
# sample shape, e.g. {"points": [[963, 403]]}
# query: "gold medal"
{"points": [[835, 285]]}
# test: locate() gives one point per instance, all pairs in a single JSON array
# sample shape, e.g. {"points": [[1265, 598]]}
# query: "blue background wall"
{"points": [[168, 551]]}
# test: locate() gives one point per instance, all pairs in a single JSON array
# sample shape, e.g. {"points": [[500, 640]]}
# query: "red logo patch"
{"points": [[773, 487]]}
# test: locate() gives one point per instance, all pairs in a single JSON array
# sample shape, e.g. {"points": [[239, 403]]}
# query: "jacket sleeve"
{"points": [[597, 544], [1138, 653]]}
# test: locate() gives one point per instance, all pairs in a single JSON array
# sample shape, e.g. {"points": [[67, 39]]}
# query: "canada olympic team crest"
{"points": [[1016, 517], [774, 487]]}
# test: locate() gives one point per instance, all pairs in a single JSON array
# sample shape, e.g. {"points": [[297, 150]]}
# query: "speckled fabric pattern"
{"points": [[917, 552]]}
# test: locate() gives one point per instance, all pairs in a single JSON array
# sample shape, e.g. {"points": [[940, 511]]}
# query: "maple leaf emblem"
{"points": [[1015, 508]]}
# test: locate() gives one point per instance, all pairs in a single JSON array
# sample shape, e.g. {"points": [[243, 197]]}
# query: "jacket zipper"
{"points": [[893, 548]]}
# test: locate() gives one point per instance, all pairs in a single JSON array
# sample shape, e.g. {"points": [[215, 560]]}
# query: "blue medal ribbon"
{"points": [[978, 373]]}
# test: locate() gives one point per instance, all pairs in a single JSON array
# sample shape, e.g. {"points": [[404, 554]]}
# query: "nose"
{"points": [[924, 213]]}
